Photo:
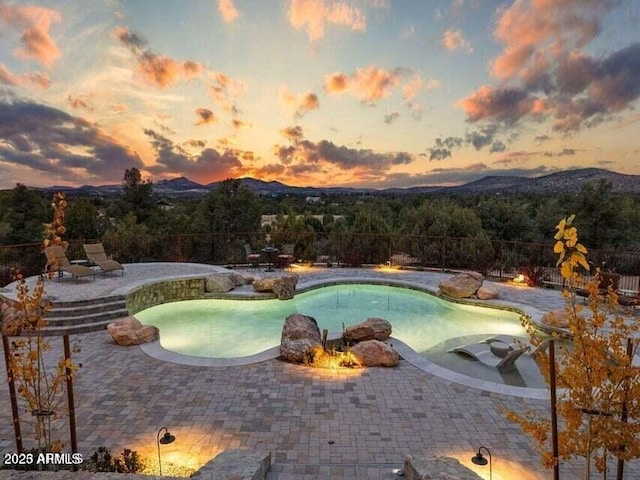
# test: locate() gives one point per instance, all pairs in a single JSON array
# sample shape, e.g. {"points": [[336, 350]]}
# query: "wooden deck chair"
{"points": [[96, 254], [57, 261]]}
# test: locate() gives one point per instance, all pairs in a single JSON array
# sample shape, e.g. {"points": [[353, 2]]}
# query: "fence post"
{"points": [[444, 253]]}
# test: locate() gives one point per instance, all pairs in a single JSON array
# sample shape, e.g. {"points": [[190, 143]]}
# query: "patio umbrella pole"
{"points": [[12, 394]]}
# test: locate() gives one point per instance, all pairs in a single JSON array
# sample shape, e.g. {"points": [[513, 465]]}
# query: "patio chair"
{"points": [[484, 354], [57, 261], [96, 254], [286, 256], [252, 259]]}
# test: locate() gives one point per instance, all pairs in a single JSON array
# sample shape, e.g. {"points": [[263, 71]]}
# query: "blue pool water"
{"points": [[235, 328]]}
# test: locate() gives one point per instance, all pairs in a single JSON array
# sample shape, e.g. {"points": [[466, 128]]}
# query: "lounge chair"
{"points": [[286, 256], [57, 261], [484, 354], [96, 254], [252, 258]]}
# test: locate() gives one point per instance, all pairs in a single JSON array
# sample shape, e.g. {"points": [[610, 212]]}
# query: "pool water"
{"points": [[236, 328]]}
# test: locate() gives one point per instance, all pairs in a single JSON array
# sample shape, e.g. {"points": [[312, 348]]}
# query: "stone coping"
{"points": [[155, 349]]}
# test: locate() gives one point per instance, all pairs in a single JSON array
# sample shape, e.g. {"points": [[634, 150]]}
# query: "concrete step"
{"points": [[93, 301], [287, 471], [87, 318], [83, 310], [75, 329]]}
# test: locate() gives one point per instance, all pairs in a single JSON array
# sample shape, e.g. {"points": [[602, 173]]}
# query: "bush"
{"points": [[103, 461]]}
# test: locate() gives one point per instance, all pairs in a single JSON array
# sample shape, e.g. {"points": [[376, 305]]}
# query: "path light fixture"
{"points": [[166, 439], [478, 459]]}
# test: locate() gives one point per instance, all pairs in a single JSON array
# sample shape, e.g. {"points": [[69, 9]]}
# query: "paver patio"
{"points": [[318, 424]]}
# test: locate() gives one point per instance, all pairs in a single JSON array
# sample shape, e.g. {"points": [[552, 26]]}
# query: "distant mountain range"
{"points": [[567, 181]]}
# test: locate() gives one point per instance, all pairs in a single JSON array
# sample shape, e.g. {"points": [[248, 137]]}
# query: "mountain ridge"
{"points": [[565, 181]]}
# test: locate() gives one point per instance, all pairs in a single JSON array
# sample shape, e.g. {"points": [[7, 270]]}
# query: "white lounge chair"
{"points": [[484, 354]]}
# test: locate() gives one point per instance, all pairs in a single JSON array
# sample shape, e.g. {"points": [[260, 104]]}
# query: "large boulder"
{"points": [[129, 331], [487, 293], [462, 285], [238, 279], [556, 319], [371, 329], [374, 353], [300, 335], [284, 286], [219, 283]]}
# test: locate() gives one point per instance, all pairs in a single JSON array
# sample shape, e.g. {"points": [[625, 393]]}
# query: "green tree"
{"points": [[84, 220], [230, 208], [23, 214], [137, 196]]}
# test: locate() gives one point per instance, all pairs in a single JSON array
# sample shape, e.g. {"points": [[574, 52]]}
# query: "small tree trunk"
{"points": [[587, 467]]}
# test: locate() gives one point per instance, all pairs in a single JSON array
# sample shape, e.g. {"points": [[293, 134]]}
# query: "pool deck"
{"points": [[318, 424]]}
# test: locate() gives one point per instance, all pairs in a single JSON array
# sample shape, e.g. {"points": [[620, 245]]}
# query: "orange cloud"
{"points": [[301, 104], [455, 40], [34, 22], [205, 116], [225, 90], [372, 83], [313, 15], [549, 27], [158, 70], [336, 82], [36, 78], [412, 88], [506, 105], [228, 10]]}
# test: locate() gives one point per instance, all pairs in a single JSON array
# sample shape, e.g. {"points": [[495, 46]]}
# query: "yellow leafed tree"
{"points": [[40, 386], [599, 401]]}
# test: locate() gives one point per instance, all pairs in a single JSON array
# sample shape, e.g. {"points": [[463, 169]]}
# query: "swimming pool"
{"points": [[233, 328]]}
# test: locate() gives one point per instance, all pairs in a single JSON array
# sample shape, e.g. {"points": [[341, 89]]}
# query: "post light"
{"points": [[478, 459], [166, 439]]}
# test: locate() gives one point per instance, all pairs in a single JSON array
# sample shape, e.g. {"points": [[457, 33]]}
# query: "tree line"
{"points": [[608, 220]]}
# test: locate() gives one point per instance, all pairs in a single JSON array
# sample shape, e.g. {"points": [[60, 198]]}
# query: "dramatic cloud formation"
{"points": [[304, 156], [207, 166], [507, 105], [455, 40], [228, 10], [205, 116], [300, 104], [9, 78], [443, 148], [157, 70], [314, 15], [34, 23], [49, 140]]}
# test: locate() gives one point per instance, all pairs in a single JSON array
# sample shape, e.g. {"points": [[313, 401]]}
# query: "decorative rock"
{"points": [[236, 464], [462, 285], [129, 331], [219, 283], [238, 279], [486, 293], [371, 329], [284, 286], [374, 353], [440, 468], [300, 335], [556, 318]]}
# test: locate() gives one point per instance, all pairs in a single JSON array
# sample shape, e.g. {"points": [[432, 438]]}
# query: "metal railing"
{"points": [[500, 259]]}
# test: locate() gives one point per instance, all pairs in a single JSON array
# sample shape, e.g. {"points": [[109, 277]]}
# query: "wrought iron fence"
{"points": [[348, 249]]}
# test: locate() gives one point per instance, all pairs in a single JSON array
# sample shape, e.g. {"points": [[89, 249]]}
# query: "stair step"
{"points": [[285, 471], [90, 318], [57, 331], [83, 310], [93, 301]]}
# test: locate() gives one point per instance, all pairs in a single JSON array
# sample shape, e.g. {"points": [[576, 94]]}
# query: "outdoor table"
{"points": [[269, 251]]}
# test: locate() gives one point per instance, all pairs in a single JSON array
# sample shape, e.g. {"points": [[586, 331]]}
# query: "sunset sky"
{"points": [[375, 93]]}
